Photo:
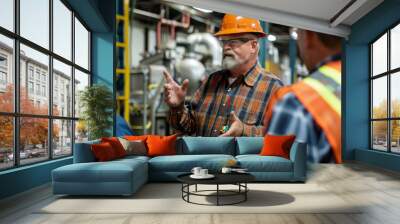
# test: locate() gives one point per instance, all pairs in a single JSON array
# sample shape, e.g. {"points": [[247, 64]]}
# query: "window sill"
{"points": [[382, 159], [26, 167]]}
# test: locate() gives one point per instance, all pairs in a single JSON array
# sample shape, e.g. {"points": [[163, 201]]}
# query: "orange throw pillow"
{"points": [[136, 137], [277, 145], [103, 152], [116, 145], [161, 145]]}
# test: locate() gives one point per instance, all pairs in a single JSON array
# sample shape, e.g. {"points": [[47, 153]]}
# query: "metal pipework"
{"points": [[212, 44]]}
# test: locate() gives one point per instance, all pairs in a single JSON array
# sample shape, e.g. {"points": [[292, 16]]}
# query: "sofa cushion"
{"points": [[185, 163], [116, 145], [257, 163], [136, 147], [277, 145], [131, 158], [103, 152], [83, 152], [206, 145], [112, 171], [136, 137], [249, 145], [161, 145]]}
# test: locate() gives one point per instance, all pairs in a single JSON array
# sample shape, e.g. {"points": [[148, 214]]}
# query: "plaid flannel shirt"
{"points": [[209, 110], [290, 117]]}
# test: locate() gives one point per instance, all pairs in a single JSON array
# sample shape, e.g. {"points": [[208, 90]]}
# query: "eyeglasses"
{"points": [[235, 42]]}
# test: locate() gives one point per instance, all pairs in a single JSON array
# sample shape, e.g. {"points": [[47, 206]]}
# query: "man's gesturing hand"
{"points": [[236, 128], [174, 94]]}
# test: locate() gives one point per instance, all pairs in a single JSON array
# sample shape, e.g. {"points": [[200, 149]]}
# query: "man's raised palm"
{"points": [[174, 93]]}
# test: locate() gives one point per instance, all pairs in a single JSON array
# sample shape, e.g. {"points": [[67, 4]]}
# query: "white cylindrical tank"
{"points": [[192, 69]]}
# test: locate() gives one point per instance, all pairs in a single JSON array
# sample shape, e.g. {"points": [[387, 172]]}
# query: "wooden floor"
{"points": [[378, 188]]}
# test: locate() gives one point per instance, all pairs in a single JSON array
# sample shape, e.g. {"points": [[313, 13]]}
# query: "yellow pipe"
{"points": [[127, 62], [121, 44], [120, 71], [124, 99], [119, 17]]}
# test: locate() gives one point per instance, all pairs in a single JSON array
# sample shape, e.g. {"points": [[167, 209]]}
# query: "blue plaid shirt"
{"points": [[290, 117]]}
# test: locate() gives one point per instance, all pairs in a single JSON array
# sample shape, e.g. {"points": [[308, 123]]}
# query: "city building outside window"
{"points": [[3, 61], [30, 87], [55, 97], [3, 78], [3, 72], [30, 72], [37, 74], [38, 89], [44, 77]]}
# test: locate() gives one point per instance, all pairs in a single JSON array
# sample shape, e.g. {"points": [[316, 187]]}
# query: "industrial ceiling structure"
{"points": [[326, 16]]}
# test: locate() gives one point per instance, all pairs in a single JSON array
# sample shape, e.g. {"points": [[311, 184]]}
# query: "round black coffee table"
{"points": [[238, 179]]}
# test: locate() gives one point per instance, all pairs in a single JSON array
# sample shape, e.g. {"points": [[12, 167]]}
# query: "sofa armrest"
{"points": [[298, 155], [83, 152]]}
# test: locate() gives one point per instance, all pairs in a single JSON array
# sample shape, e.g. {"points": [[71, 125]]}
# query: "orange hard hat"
{"points": [[233, 24]]}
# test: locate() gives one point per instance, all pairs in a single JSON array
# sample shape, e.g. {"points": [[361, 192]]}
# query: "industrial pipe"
{"points": [[185, 23]]}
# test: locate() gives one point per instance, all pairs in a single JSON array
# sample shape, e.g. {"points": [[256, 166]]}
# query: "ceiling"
{"points": [[319, 11], [326, 16], [198, 19], [174, 11]]}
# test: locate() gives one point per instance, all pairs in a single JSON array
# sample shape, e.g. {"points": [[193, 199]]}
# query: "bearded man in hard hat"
{"points": [[311, 109], [232, 101]]}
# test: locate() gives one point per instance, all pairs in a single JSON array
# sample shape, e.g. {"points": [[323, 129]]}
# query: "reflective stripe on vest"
{"points": [[325, 93], [331, 73], [329, 83]]}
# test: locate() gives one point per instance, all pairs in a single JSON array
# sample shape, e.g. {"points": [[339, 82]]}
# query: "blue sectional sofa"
{"points": [[125, 176]]}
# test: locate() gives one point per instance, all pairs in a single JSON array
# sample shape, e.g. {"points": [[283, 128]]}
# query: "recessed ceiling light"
{"points": [[271, 37], [293, 33]]}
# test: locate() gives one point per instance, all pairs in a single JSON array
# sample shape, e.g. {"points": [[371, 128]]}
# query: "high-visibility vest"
{"points": [[320, 94]]}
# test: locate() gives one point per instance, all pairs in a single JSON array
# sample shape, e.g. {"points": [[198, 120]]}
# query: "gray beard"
{"points": [[229, 62]]}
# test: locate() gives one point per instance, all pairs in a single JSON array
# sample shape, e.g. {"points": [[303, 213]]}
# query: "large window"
{"points": [[385, 93], [44, 63]]}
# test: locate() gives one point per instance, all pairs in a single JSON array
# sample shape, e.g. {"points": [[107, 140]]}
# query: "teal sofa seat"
{"points": [[206, 145], [167, 168], [257, 163], [271, 168], [118, 177]]}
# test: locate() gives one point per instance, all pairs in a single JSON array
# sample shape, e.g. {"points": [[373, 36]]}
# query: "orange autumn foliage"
{"points": [[33, 130]]}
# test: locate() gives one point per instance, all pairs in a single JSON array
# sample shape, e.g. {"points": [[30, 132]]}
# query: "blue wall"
{"points": [[103, 63], [356, 84], [262, 54], [24, 178], [99, 16]]}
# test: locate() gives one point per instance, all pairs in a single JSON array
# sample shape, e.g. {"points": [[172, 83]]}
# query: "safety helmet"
{"points": [[233, 24]]}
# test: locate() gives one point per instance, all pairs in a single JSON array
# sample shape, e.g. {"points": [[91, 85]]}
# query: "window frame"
{"points": [[388, 74], [16, 114]]}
